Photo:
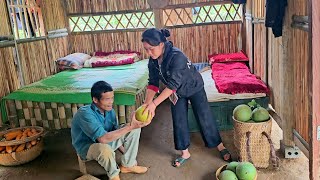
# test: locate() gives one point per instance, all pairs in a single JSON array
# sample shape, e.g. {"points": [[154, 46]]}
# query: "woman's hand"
{"points": [[151, 108]]}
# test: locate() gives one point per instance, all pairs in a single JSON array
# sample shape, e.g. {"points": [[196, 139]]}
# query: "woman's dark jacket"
{"points": [[177, 72]]}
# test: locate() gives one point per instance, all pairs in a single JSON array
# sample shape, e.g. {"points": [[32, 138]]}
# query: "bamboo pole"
{"points": [[55, 115], [49, 114], [62, 115], [68, 114], [32, 115], [22, 121], [13, 117], [26, 113], [44, 117], [122, 114]]}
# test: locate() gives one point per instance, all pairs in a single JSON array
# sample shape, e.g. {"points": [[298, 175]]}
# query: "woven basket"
{"points": [[253, 143], [222, 168], [17, 158]]}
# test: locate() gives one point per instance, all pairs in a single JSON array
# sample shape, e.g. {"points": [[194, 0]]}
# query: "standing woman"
{"points": [[183, 83]]}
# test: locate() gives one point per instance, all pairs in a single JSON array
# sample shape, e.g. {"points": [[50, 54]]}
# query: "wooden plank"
{"points": [[314, 36], [286, 77]]}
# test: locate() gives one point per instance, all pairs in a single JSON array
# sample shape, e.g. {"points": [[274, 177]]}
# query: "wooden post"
{"points": [[314, 64], [158, 18], [248, 39], [286, 80]]}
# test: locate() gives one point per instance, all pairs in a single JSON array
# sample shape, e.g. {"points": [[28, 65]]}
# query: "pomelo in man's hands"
{"points": [[140, 116]]}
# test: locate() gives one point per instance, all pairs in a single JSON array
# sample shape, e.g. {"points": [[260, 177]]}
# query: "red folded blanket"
{"points": [[235, 77]]}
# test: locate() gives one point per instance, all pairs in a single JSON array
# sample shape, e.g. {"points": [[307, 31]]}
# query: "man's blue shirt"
{"points": [[88, 125]]}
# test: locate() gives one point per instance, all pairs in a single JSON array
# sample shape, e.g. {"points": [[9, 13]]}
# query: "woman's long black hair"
{"points": [[155, 36]]}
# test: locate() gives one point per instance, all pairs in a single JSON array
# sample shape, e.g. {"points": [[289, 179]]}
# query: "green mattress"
{"points": [[73, 86]]}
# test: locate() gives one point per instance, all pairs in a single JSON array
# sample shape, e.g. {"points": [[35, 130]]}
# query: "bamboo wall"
{"points": [[198, 42], [54, 14], [34, 61], [299, 55], [91, 6], [204, 40], [267, 59], [5, 29], [173, 2], [90, 43]]}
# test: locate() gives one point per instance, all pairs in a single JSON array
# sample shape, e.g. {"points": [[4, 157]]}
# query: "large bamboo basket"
{"points": [[27, 155], [253, 143], [17, 142], [18, 158], [222, 168]]}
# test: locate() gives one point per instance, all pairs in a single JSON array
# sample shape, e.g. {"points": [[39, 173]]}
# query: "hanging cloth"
{"points": [[275, 10]]}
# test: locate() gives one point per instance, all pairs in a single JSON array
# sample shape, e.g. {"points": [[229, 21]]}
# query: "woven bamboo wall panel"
{"points": [[9, 81], [260, 51], [301, 89], [34, 61], [258, 8], [89, 43], [199, 41], [57, 47], [82, 43], [8, 73], [196, 42], [119, 41], [173, 2], [92, 6], [5, 28], [53, 14]]}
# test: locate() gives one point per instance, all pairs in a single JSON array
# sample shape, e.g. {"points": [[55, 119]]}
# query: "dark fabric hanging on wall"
{"points": [[239, 1], [275, 10]]}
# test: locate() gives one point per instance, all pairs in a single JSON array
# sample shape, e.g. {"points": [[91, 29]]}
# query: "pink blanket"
{"points": [[235, 77]]}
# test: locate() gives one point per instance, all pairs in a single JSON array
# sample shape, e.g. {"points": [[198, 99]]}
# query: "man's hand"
{"points": [[138, 124]]}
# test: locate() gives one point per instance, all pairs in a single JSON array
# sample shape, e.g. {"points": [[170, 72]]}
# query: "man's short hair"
{"points": [[100, 87]]}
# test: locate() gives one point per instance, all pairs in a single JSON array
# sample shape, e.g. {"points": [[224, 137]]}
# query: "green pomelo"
{"points": [[246, 171], [260, 114], [242, 113], [227, 175], [232, 166], [141, 117]]}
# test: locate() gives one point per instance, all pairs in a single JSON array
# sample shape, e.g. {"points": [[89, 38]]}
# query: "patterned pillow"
{"points": [[102, 59], [228, 57], [73, 61]]}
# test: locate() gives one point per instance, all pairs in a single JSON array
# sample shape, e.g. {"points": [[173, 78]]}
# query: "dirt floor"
{"points": [[59, 160]]}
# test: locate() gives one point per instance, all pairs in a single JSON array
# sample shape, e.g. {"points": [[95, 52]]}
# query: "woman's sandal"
{"points": [[224, 152], [180, 160]]}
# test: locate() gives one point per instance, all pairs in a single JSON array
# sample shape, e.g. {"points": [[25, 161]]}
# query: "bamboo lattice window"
{"points": [[26, 18], [202, 14], [133, 20]]}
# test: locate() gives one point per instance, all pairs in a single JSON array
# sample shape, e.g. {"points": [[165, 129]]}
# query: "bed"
{"points": [[52, 102], [222, 104]]}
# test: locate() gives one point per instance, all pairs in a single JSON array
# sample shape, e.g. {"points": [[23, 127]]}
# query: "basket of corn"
{"points": [[20, 145]]}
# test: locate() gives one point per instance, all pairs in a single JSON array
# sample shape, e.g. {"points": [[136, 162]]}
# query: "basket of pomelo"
{"points": [[252, 129], [237, 170]]}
